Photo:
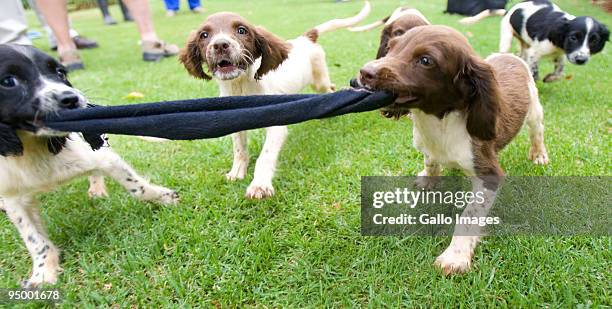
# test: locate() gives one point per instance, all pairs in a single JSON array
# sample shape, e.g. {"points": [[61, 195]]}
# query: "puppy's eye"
{"points": [[9, 81], [204, 35], [398, 33], [594, 39], [241, 30], [61, 73], [425, 61], [573, 38]]}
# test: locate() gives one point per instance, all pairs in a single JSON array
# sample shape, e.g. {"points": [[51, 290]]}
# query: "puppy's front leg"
{"points": [[24, 214], [558, 73], [241, 156], [429, 176], [111, 164], [457, 258], [261, 186], [97, 187]]}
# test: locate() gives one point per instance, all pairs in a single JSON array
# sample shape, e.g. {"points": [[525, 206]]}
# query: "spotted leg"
{"points": [[24, 213], [112, 165]]}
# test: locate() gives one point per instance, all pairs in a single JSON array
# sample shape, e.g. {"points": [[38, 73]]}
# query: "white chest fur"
{"points": [[445, 141]]}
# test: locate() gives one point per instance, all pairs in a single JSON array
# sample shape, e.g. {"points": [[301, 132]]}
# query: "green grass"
{"points": [[303, 248]]}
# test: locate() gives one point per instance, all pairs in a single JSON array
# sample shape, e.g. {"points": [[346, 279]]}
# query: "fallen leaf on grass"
{"points": [[134, 95]]}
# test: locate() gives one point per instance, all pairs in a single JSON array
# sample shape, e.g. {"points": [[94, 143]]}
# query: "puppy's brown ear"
{"points": [[384, 42], [10, 144], [273, 50], [482, 95], [191, 57]]}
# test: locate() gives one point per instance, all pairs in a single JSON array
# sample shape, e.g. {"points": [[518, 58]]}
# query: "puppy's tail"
{"points": [[339, 23], [482, 15], [399, 12]]}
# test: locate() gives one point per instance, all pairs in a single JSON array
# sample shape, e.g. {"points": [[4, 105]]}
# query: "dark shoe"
{"points": [[109, 20], [84, 43], [71, 60], [155, 50]]}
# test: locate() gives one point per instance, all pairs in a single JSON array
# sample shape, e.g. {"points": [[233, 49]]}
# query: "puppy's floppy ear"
{"points": [[10, 144], [384, 42], [558, 32], [481, 93], [191, 57], [273, 50], [56, 144]]}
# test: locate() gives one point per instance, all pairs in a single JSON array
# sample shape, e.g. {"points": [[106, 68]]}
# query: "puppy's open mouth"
{"points": [[226, 67], [400, 107]]}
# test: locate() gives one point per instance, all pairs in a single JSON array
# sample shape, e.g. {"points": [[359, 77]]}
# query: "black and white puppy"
{"points": [[543, 29], [34, 160]]}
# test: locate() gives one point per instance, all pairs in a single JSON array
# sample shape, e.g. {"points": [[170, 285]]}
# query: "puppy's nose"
{"points": [[221, 45], [67, 99], [581, 60], [367, 74]]}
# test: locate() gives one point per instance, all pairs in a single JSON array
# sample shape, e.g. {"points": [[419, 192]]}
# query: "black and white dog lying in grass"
{"points": [[543, 29], [32, 85]]}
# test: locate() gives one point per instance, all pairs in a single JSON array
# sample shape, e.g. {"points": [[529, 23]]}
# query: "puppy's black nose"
{"points": [[221, 45], [67, 99], [581, 60]]}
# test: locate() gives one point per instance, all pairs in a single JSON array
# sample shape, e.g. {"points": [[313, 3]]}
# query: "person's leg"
{"points": [[193, 4], [125, 12], [55, 14], [152, 47], [172, 5], [108, 19], [13, 23]]}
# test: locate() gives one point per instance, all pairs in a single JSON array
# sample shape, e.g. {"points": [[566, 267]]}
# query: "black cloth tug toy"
{"points": [[214, 117]]}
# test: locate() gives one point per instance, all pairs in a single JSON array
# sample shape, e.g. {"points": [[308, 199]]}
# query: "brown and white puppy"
{"points": [[248, 60], [396, 24], [465, 110]]}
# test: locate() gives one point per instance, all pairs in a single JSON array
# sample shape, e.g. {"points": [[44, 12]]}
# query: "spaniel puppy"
{"points": [[543, 29], [246, 60], [396, 24], [465, 110], [32, 85]]}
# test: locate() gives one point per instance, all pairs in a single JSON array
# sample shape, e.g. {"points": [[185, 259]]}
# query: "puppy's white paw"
{"points": [[46, 270], [258, 191], [97, 191], [236, 174], [538, 155], [454, 261], [424, 181], [160, 195]]}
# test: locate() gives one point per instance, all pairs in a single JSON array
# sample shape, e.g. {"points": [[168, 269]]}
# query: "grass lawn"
{"points": [[303, 247]]}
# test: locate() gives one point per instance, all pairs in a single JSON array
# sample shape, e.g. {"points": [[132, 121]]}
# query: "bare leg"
{"points": [[55, 13], [261, 186], [241, 156], [140, 11], [23, 212]]}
